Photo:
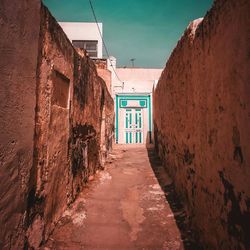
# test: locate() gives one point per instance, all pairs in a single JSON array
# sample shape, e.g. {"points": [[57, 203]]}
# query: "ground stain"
{"points": [[132, 212]]}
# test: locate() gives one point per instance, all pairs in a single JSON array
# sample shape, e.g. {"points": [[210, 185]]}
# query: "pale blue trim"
{"points": [[146, 97], [150, 119], [116, 119], [123, 98]]}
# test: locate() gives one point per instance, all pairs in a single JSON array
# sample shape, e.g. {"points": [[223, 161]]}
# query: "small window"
{"points": [[89, 45], [92, 54], [60, 90]]}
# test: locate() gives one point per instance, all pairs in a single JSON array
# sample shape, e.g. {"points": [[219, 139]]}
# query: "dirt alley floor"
{"points": [[125, 207]]}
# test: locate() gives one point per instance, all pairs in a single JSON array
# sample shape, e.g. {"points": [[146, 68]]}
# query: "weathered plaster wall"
{"points": [[19, 28], [71, 102], [202, 134], [104, 73], [49, 191], [55, 111], [92, 117]]}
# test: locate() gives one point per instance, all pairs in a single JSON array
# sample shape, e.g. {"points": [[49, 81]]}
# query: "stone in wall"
{"points": [[203, 134]]}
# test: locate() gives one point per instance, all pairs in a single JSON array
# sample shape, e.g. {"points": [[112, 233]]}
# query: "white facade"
{"points": [[132, 93], [84, 31], [136, 80]]}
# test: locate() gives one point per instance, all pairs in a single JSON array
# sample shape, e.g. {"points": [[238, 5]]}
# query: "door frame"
{"points": [[144, 97]]}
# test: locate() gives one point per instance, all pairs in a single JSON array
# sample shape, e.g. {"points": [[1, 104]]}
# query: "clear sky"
{"points": [[146, 30]]}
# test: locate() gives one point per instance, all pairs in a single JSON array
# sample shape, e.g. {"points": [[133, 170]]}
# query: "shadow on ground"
{"points": [[174, 200]]}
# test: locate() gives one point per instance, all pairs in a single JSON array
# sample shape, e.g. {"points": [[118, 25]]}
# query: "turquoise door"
{"points": [[133, 126]]}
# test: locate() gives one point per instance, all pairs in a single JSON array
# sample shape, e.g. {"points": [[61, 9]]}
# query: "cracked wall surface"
{"points": [[57, 115], [203, 134]]}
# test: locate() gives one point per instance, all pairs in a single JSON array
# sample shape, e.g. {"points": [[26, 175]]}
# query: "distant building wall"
{"points": [[84, 31], [139, 80], [202, 124], [133, 104]]}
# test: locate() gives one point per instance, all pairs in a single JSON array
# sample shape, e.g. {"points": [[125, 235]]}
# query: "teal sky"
{"points": [[146, 30]]}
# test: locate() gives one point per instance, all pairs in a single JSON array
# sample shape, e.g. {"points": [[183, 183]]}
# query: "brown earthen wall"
{"points": [[50, 183], [103, 72], [71, 102], [203, 133], [19, 28], [54, 109], [92, 116]]}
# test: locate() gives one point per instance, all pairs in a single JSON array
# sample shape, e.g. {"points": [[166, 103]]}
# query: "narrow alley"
{"points": [[124, 207], [124, 125]]}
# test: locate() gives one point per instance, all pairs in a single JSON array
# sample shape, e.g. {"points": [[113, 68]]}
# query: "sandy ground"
{"points": [[129, 205]]}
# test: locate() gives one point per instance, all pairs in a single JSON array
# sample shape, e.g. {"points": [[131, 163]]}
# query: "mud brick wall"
{"points": [[57, 119], [50, 183], [91, 122], [71, 104], [104, 73], [19, 28], [203, 134]]}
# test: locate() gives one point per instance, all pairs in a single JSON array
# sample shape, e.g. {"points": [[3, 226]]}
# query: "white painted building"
{"points": [[86, 36], [132, 93]]}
